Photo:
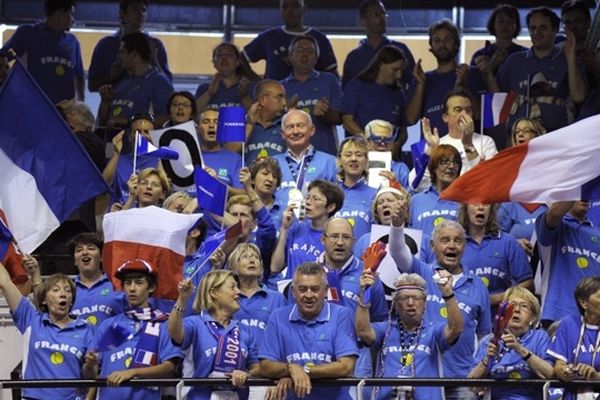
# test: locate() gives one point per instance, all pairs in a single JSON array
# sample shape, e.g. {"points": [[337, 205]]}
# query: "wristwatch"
{"points": [[470, 149], [307, 368]]}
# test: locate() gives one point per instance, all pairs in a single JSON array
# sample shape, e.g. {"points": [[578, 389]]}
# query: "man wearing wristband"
{"points": [[448, 243]]}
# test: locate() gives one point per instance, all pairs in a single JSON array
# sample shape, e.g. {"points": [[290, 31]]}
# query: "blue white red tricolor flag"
{"points": [[496, 108], [146, 148], [45, 172], [560, 166]]}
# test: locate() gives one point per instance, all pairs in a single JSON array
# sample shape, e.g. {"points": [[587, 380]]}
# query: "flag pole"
{"points": [[204, 262], [224, 207], [528, 94], [135, 146], [481, 122], [243, 153]]}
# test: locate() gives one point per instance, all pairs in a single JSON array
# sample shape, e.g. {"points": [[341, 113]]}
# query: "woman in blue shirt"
{"points": [[55, 344], [520, 353], [218, 345]]}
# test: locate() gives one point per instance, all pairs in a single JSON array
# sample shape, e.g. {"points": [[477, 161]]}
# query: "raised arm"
{"points": [[186, 289], [11, 291]]}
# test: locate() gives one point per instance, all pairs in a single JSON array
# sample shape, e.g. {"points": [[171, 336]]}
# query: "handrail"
{"points": [[445, 382]]}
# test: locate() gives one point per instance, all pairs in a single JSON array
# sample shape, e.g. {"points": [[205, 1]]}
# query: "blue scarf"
{"points": [[229, 355], [148, 321]]}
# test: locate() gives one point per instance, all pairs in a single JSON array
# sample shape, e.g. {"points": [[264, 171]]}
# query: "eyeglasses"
{"points": [[183, 105], [337, 238], [247, 256], [521, 306], [381, 140], [446, 162], [315, 199]]}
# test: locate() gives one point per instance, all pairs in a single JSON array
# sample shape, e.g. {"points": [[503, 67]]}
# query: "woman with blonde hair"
{"points": [[219, 346], [521, 351]]}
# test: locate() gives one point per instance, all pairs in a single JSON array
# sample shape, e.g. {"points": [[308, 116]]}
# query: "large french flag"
{"points": [[152, 234], [562, 165], [496, 107], [45, 172]]}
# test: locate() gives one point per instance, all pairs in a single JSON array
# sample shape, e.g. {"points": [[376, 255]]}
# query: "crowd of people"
{"points": [[296, 295]]}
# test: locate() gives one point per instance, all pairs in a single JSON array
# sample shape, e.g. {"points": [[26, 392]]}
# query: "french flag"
{"points": [[560, 166], [153, 234], [145, 148], [45, 172], [211, 192], [495, 108]]}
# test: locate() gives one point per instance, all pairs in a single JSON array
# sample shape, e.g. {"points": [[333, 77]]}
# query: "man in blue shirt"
{"points": [[547, 78], [105, 67], [569, 246], [272, 45], [310, 339], [373, 17], [301, 163], [431, 88], [263, 124], [144, 90], [448, 243], [317, 93], [52, 54], [143, 348]]}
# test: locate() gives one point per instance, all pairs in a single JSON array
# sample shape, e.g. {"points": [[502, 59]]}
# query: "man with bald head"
{"points": [[343, 276], [301, 163]]}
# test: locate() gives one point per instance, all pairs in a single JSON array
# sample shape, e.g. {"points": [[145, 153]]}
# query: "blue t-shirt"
{"points": [[303, 244], [491, 49], [148, 93], [426, 353], [200, 346], [264, 141], [225, 96], [367, 101], [427, 210], [254, 311], [124, 171], [358, 59], [98, 302], [107, 48], [120, 358], [515, 219], [591, 105], [401, 172], [437, 86], [568, 253], [319, 85], [272, 45], [473, 300], [511, 366], [357, 206], [564, 345], [52, 352], [325, 339], [226, 164], [513, 76], [318, 165], [53, 59], [499, 260]]}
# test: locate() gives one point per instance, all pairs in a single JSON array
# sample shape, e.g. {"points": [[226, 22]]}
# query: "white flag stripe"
{"points": [[30, 218], [152, 226], [557, 164]]}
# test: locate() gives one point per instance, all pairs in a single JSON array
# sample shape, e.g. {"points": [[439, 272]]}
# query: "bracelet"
{"points": [[527, 356], [178, 309], [484, 362], [450, 296], [34, 284], [363, 305]]}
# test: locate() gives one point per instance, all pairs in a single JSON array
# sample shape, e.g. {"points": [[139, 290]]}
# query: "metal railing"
{"points": [[180, 383]]}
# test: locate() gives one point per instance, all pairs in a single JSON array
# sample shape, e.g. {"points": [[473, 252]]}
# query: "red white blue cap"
{"points": [[135, 265]]}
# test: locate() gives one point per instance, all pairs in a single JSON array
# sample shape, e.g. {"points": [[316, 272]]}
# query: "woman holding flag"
{"points": [[148, 188], [516, 352], [219, 346]]}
